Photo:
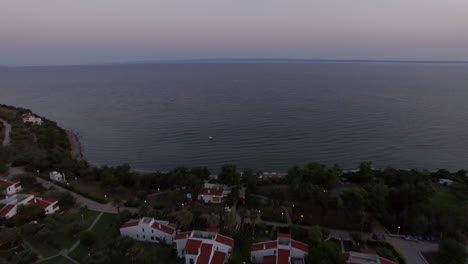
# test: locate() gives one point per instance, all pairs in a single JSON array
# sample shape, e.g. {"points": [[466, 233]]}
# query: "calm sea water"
{"points": [[264, 116]]}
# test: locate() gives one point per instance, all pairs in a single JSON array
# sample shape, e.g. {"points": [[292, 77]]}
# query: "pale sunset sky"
{"points": [[55, 32]]}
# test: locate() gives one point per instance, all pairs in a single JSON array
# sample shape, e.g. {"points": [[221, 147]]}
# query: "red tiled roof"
{"points": [[283, 256], [264, 245], [368, 251], [8, 183], [269, 260], [346, 256], [129, 224], [26, 116], [211, 191], [50, 200], [225, 240], [213, 229], [205, 254], [218, 258], [39, 202], [283, 235], [163, 228], [182, 235], [299, 245], [5, 210], [386, 261], [192, 246]]}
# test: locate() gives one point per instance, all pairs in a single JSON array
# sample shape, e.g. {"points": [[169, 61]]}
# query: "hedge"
{"points": [[400, 258]]}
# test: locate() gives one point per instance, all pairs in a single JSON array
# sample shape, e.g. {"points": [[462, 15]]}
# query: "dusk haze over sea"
{"points": [[234, 131]]}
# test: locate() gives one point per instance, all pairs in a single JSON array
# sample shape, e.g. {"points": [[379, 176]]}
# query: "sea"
{"points": [[265, 116]]}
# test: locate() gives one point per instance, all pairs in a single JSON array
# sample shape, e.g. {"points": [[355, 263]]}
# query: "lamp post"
{"points": [[105, 196], [302, 217], [282, 214], [398, 230]]}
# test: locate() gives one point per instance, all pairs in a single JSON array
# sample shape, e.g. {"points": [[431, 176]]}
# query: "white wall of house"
{"points": [[53, 208], [180, 245], [56, 176], [296, 253], [258, 255]]}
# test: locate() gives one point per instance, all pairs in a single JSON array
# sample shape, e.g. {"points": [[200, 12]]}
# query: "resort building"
{"points": [[203, 247], [57, 176], [217, 193], [148, 229], [30, 118], [9, 187], [366, 256], [283, 250], [49, 205]]}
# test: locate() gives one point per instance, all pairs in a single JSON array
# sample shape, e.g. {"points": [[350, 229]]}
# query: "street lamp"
{"points": [[282, 214], [302, 217], [105, 196], [398, 230]]}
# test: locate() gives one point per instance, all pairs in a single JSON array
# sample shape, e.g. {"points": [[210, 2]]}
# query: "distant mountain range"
{"points": [[251, 60], [282, 60]]}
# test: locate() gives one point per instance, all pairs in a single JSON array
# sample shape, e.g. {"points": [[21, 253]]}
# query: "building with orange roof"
{"points": [[366, 256]]}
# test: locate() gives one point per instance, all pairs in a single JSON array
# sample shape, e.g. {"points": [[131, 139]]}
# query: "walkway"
{"points": [[92, 205], [6, 139]]}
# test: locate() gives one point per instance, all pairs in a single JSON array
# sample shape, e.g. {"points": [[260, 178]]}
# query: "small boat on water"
{"points": [[210, 138]]}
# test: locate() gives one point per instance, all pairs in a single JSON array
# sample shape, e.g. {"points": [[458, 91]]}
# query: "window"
{"points": [[191, 261], [274, 252], [143, 229], [137, 236], [152, 237], [144, 237], [152, 230]]}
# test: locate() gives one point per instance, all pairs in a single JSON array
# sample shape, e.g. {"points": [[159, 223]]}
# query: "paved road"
{"points": [[6, 139], [92, 205]]}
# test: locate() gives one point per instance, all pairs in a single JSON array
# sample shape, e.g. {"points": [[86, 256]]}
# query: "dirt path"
{"points": [[6, 139], [75, 145]]}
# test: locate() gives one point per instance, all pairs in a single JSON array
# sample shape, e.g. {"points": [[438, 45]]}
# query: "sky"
{"points": [[56, 32]]}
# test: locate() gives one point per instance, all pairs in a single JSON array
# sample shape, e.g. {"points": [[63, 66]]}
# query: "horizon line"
{"points": [[240, 60]]}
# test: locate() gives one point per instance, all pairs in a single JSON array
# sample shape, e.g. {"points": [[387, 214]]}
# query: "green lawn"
{"points": [[57, 260], [104, 229], [63, 237]]}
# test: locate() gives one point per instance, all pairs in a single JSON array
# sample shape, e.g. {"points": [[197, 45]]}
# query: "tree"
{"points": [[27, 213], [213, 220], [118, 203], [185, 218], [451, 252], [229, 220], [366, 173], [253, 215], [229, 175], [315, 233], [354, 203], [250, 180], [10, 237], [325, 253], [377, 195], [88, 238]]}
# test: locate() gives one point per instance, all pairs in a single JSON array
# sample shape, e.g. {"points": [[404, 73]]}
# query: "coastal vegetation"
{"points": [[311, 198]]}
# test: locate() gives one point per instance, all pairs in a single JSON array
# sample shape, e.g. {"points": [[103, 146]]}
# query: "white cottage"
{"points": [[148, 229], [49, 205], [9, 187], [30, 118]]}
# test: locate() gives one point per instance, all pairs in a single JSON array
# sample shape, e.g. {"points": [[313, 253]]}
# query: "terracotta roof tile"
{"points": [[225, 240]]}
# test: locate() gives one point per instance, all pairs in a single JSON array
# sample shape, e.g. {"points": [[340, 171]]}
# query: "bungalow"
{"points": [[49, 205], [217, 193], [30, 118], [148, 229], [57, 176], [203, 247], [9, 187], [283, 250], [366, 256]]}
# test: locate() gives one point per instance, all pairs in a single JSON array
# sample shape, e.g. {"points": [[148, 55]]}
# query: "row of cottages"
{"points": [[30, 118], [366, 256], [49, 205], [283, 250], [9, 188], [148, 229], [217, 193], [197, 247]]}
